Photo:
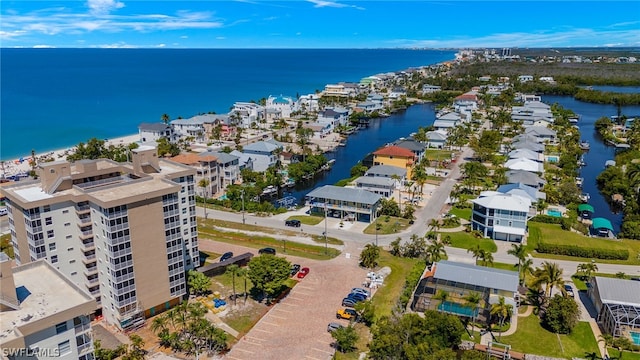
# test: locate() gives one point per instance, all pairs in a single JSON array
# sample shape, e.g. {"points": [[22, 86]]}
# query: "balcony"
{"points": [[85, 348], [88, 244], [86, 234], [91, 282], [81, 328], [90, 270], [82, 209], [88, 258]]}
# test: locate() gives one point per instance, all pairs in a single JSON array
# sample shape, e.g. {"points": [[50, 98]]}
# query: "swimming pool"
{"points": [[554, 213], [635, 337], [553, 158], [223, 197], [458, 309]]}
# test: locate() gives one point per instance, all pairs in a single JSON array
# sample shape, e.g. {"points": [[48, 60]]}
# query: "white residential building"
{"points": [[501, 216], [285, 104], [43, 314], [247, 113], [152, 132]]}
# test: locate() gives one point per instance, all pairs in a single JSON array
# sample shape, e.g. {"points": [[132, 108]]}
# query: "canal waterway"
{"points": [[599, 152], [380, 132]]}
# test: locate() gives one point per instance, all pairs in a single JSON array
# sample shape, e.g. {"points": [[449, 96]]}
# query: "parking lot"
{"points": [[296, 327]]}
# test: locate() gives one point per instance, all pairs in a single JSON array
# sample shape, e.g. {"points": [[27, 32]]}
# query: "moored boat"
{"points": [[584, 145]]}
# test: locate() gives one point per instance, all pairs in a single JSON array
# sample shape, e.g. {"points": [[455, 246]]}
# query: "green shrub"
{"points": [[585, 252], [546, 219], [411, 282]]}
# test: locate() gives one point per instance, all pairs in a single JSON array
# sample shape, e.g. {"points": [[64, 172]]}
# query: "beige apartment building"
{"points": [[125, 231], [43, 314]]}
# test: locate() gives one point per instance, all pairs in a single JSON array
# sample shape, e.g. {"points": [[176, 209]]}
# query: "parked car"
{"points": [[292, 222], [357, 296], [334, 326], [267, 250], [347, 313], [568, 289], [226, 256], [349, 302], [362, 291], [303, 272], [294, 269]]}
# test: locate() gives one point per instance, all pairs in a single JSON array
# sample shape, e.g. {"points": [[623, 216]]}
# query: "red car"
{"points": [[303, 272]]}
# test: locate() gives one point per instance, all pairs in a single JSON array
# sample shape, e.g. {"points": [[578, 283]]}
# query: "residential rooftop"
{"points": [[486, 277], [345, 194], [618, 291]]}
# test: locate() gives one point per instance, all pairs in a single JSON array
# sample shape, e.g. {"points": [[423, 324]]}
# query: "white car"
{"points": [[361, 291]]}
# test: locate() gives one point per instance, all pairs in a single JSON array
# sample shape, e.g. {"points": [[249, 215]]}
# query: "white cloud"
{"points": [[184, 37], [119, 45], [332, 4], [220, 38], [43, 46], [103, 6], [160, 45]]}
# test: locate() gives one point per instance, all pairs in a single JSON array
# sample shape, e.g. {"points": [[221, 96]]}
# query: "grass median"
{"points": [[257, 242], [306, 219], [464, 240], [387, 225]]}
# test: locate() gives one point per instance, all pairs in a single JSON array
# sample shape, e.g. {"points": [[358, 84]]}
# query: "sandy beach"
{"points": [[15, 166]]}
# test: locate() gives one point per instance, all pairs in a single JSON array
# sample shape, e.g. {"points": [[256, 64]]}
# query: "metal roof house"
{"points": [[525, 177], [501, 217], [460, 279], [344, 203], [379, 185], [618, 305]]}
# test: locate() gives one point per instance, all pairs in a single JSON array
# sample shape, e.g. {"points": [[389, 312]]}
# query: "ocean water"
{"points": [[55, 98]]}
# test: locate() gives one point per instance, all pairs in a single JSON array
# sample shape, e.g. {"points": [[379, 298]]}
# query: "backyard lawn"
{"points": [[433, 154], [553, 234], [626, 355], [577, 344], [306, 219], [388, 225], [465, 240]]}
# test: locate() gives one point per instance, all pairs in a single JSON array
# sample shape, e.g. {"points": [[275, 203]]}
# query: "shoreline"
{"points": [[15, 166]]}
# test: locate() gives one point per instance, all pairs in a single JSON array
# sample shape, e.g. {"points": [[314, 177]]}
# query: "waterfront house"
{"points": [[367, 107], [525, 177], [501, 217], [377, 100], [388, 171], [193, 127], [395, 156], [152, 132], [617, 302], [284, 105], [397, 93], [263, 154], [525, 78], [288, 158], [334, 117], [247, 113], [522, 190], [526, 154], [528, 144], [524, 164], [445, 121], [308, 103], [335, 90], [344, 203], [542, 133], [532, 113], [206, 169], [466, 101], [222, 120], [429, 89], [320, 130], [416, 147], [228, 168], [458, 280], [436, 139], [245, 161], [378, 185]]}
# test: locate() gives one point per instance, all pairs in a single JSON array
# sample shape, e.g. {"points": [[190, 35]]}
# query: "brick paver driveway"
{"points": [[296, 327]]}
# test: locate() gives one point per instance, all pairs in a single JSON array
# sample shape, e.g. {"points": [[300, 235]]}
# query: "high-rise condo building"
{"points": [[125, 231]]}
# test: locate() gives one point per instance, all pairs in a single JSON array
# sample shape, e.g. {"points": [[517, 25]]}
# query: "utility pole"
{"points": [[242, 196], [326, 246]]}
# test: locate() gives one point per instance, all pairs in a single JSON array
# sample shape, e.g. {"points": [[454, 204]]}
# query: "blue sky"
{"points": [[317, 24]]}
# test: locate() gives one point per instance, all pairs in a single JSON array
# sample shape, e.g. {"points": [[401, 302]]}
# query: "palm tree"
{"points": [[159, 324], [434, 225], [165, 118], [551, 275], [472, 300], [477, 252], [588, 269], [520, 252], [233, 270], [526, 268], [442, 296], [502, 311], [487, 258], [436, 251]]}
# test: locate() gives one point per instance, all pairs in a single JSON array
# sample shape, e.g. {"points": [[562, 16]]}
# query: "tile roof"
{"points": [[395, 151], [188, 158]]}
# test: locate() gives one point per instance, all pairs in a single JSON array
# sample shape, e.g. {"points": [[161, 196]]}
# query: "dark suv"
{"points": [[294, 223], [267, 250]]}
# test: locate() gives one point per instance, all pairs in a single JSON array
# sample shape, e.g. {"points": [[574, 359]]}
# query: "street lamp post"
{"points": [[242, 196], [377, 228]]}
